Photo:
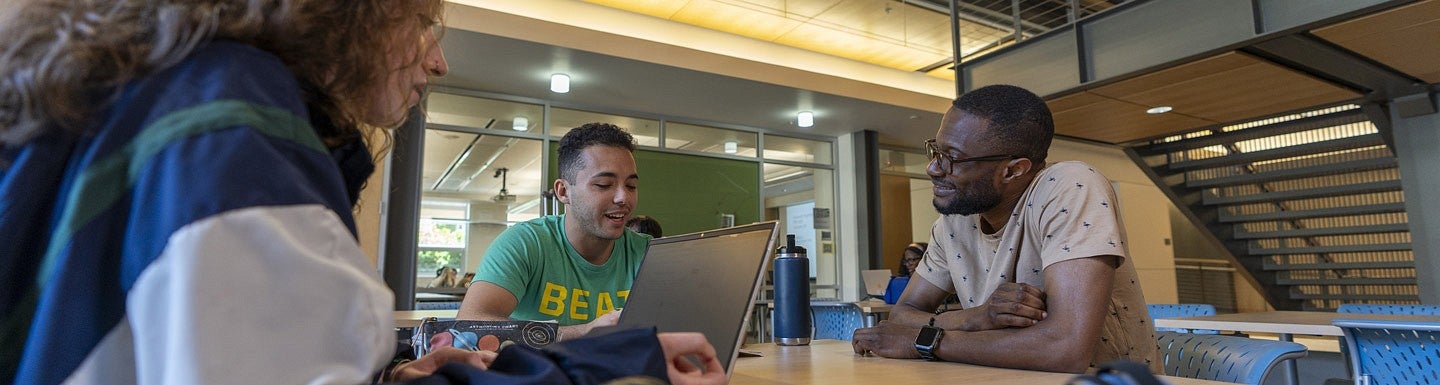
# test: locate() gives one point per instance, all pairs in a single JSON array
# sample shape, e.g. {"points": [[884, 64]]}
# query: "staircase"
{"points": [[1309, 205]]}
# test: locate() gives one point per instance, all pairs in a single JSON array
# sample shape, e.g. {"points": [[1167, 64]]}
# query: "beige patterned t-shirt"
{"points": [[1068, 212]]}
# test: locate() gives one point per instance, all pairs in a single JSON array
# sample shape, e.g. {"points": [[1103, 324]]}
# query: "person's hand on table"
{"points": [[888, 339], [679, 346], [428, 364], [1011, 305]]}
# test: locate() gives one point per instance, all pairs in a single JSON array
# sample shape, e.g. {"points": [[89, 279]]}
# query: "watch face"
{"points": [[928, 335]]}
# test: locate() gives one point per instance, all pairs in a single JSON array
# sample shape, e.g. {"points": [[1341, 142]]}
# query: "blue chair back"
{"points": [[1393, 352], [1223, 358], [1158, 311], [1365, 308], [836, 321]]}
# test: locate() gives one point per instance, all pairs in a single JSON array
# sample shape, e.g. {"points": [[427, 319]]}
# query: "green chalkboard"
{"points": [[688, 193]]}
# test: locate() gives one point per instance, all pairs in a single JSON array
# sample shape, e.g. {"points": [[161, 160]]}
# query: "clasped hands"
{"points": [[1012, 305]]}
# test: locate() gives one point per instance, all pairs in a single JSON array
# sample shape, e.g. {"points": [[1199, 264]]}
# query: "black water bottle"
{"points": [[792, 294]]}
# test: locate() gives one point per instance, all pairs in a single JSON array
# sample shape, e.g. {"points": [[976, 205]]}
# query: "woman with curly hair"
{"points": [[176, 186]]}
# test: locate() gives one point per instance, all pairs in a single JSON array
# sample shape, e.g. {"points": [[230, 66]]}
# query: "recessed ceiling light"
{"points": [[1159, 110], [560, 83], [520, 123], [805, 119], [731, 146]]}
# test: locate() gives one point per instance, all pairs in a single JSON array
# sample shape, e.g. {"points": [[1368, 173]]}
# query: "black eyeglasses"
{"points": [[949, 165]]}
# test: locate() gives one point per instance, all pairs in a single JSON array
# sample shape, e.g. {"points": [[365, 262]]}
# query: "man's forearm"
{"points": [[909, 315], [1034, 348], [962, 320], [573, 331]]}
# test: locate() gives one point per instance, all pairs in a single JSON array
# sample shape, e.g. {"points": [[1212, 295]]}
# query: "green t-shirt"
{"points": [[535, 262]]}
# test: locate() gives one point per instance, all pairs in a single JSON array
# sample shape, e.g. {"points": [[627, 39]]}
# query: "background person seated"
{"points": [[644, 224], [913, 254]]}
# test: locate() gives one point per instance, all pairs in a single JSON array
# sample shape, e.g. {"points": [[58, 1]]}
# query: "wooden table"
{"points": [[411, 318], [1286, 324], [833, 362], [874, 310]]}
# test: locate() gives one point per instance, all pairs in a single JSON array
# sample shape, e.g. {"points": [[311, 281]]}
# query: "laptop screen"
{"points": [[702, 282]]}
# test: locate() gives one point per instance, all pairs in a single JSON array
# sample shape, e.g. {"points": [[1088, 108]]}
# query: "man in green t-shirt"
{"points": [[575, 268]]}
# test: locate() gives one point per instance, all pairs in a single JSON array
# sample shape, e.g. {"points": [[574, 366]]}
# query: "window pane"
{"points": [[645, 131], [691, 137], [904, 161], [797, 150], [463, 182], [803, 200], [481, 113]]}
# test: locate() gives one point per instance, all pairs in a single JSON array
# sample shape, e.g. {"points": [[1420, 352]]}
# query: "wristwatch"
{"points": [[928, 340]]}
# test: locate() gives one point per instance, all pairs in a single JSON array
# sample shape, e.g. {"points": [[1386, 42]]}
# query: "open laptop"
{"points": [[702, 282], [875, 281]]}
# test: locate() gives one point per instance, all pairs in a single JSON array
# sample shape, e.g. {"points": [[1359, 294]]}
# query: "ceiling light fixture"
{"points": [[520, 123], [560, 83], [1159, 110], [805, 119], [731, 146]]}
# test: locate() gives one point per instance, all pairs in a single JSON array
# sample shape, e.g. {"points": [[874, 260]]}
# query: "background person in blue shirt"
{"points": [[913, 254]]}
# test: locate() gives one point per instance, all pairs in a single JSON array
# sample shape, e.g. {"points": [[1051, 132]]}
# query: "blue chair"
{"points": [[1365, 308], [1158, 311], [1223, 358], [1393, 352], [836, 321]]}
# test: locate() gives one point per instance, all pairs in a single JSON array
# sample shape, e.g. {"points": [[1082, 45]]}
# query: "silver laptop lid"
{"points": [[875, 281], [702, 282]]}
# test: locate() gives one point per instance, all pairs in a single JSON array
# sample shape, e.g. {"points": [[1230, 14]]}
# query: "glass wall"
{"points": [[906, 208], [483, 173], [690, 137], [645, 131]]}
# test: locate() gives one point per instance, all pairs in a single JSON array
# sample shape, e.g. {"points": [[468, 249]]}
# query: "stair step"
{"points": [[1316, 213], [1356, 297], [1330, 249], [1321, 192], [1362, 141], [1282, 128], [1295, 233], [1295, 173], [1271, 266], [1346, 281]]}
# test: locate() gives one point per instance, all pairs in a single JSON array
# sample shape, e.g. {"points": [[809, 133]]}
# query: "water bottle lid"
{"points": [[790, 247]]}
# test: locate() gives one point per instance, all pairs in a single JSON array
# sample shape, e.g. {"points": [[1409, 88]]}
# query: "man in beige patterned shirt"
{"points": [[1035, 252]]}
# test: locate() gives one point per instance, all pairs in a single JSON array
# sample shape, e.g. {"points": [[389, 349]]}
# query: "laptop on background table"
{"points": [[702, 282], [875, 281]]}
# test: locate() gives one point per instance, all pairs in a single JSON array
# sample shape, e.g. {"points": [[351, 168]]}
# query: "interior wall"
{"points": [[688, 193], [367, 212], [485, 225], [922, 211], [895, 221]]}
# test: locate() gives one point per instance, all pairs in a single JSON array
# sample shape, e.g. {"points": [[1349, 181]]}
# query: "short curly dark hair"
{"points": [[590, 134], [1020, 123]]}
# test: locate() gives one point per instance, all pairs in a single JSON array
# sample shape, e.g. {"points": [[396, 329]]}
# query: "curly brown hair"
{"points": [[65, 60]]}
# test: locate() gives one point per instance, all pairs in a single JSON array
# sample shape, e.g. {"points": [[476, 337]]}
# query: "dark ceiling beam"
{"points": [[1110, 47], [1322, 59]]}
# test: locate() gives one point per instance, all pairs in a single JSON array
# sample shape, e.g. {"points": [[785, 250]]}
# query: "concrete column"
{"points": [[402, 215], [1417, 136]]}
